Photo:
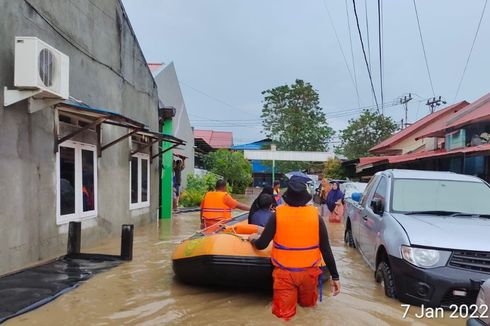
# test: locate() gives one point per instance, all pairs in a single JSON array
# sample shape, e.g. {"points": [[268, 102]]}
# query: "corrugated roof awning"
{"points": [[97, 116]]}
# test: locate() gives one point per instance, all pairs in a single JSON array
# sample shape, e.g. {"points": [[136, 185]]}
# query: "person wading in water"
{"points": [[300, 240]]}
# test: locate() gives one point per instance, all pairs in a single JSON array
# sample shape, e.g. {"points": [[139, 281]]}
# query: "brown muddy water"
{"points": [[145, 292]]}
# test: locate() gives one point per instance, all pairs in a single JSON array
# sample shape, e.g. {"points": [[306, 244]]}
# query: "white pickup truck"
{"points": [[425, 234]]}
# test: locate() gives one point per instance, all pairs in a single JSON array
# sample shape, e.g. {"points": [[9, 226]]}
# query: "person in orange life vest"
{"points": [[217, 205], [300, 240], [277, 192]]}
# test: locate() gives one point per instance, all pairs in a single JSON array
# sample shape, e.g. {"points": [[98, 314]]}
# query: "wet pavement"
{"points": [[144, 292]]}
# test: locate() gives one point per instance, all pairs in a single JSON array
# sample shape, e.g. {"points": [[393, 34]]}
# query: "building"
{"points": [[261, 171], [170, 94], [75, 161], [206, 141], [455, 139]]}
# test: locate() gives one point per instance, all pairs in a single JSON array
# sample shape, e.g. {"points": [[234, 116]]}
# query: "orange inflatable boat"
{"points": [[222, 255]]}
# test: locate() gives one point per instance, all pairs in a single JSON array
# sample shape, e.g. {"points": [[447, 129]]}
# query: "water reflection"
{"points": [[144, 292]]}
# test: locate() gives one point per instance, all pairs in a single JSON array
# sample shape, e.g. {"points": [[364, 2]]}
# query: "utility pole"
{"points": [[404, 100], [434, 102]]}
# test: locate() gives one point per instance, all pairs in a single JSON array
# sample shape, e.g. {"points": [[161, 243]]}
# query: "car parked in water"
{"points": [[425, 235], [480, 312]]}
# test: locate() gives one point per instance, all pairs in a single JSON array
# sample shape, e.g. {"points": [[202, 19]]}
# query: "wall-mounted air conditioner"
{"points": [[41, 72], [431, 144]]}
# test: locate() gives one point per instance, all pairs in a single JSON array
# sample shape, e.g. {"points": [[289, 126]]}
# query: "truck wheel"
{"points": [[349, 238], [384, 275]]}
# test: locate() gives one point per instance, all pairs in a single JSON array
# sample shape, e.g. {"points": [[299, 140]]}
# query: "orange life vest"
{"points": [[213, 207], [297, 241]]}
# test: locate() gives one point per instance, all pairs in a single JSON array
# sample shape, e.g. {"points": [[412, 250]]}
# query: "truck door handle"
{"points": [[365, 218]]}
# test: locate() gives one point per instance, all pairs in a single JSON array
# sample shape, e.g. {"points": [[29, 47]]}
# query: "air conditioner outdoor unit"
{"points": [[41, 72], [431, 144]]}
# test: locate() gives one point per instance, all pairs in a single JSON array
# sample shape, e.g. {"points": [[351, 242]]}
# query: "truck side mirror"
{"points": [[356, 196], [377, 206]]}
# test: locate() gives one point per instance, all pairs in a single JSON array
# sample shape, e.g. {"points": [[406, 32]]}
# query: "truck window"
{"points": [[381, 190], [367, 191]]}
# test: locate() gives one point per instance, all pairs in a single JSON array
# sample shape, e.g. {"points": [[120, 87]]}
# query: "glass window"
{"points": [[77, 182], [366, 192], [139, 181], [134, 180], [441, 195], [381, 189], [67, 180], [88, 180], [144, 180]]}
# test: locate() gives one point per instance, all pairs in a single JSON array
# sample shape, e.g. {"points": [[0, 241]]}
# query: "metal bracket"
{"points": [[11, 96]]}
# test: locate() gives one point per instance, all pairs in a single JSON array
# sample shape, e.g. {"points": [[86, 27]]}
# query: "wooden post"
{"points": [[74, 238], [127, 241]]}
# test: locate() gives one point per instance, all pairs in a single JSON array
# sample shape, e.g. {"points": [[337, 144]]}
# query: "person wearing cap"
{"points": [[217, 205], [300, 240]]}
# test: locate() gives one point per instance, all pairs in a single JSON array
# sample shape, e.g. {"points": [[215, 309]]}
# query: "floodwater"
{"points": [[144, 292]]}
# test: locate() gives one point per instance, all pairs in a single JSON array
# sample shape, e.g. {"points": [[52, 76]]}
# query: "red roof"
{"points": [[215, 139], [364, 162], [478, 110], [154, 66], [419, 127], [371, 160]]}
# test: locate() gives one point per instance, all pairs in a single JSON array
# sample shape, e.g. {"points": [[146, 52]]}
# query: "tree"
{"points": [[293, 119], [232, 166], [365, 132], [333, 169]]}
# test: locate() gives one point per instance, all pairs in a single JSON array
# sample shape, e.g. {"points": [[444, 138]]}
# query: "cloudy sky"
{"points": [[227, 51]]}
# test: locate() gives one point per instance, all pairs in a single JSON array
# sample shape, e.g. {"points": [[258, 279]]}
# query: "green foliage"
{"points": [[191, 198], [293, 119], [365, 132], [333, 169], [234, 168], [197, 187]]}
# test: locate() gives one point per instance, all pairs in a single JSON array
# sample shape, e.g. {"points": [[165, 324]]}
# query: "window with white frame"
{"points": [[76, 182], [139, 181]]}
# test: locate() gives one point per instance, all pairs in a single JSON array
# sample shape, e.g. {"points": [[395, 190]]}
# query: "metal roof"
{"points": [[435, 119], [477, 111], [215, 139]]}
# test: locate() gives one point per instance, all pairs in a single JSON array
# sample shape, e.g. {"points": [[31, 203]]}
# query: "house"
{"points": [[261, 172], [91, 157], [455, 139], [170, 94], [206, 141]]}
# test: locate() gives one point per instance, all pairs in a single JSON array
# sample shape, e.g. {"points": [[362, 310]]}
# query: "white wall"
{"points": [[170, 94]]}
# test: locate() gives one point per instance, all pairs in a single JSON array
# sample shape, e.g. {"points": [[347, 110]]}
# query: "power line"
{"points": [[364, 53], [423, 48], [341, 49], [471, 50], [216, 99], [352, 52], [367, 32], [380, 27]]}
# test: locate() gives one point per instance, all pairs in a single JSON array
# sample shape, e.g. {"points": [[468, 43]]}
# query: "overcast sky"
{"points": [[227, 51]]}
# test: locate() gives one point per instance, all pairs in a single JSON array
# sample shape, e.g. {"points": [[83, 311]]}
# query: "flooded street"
{"points": [[144, 292]]}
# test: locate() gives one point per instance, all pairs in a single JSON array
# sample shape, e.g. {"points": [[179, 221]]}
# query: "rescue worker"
{"points": [[300, 241], [277, 192], [217, 205]]}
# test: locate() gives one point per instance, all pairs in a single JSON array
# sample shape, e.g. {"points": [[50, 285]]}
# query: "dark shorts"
{"points": [[177, 190]]}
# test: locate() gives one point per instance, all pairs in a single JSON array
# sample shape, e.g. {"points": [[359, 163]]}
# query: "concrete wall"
{"points": [[170, 94], [107, 69]]}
